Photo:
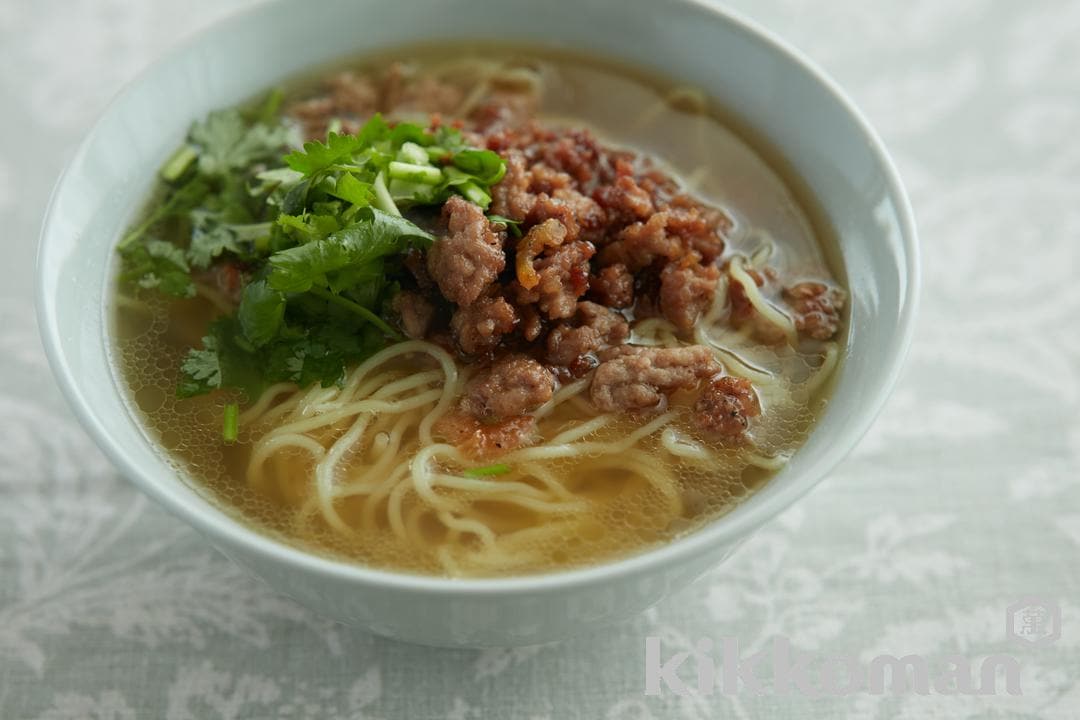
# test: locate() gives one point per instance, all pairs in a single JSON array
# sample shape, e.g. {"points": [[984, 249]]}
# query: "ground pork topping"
{"points": [[686, 291], [481, 440], [612, 286], [511, 197], [562, 278], [416, 313], [632, 378], [726, 406], [592, 328], [514, 385], [817, 308], [587, 241], [479, 327], [469, 257], [638, 245]]}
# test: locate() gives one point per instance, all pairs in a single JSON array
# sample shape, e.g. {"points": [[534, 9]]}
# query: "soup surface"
{"points": [[514, 313]]}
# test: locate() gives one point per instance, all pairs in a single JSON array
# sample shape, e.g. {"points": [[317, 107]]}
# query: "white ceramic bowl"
{"points": [[768, 85]]}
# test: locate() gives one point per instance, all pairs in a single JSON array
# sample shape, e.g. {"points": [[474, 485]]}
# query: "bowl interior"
{"points": [[796, 110]]}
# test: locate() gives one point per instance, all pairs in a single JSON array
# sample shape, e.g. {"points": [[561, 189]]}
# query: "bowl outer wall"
{"points": [[764, 83]]}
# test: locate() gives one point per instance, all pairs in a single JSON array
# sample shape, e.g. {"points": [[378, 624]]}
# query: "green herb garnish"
{"points": [[310, 239]]}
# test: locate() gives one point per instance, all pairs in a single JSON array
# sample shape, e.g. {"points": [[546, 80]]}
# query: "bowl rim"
{"points": [[228, 531]]}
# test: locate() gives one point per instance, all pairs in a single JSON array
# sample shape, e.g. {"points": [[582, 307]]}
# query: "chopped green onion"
{"points": [[178, 163], [383, 201], [455, 176], [405, 190], [436, 153], [415, 173], [410, 152], [474, 193], [230, 426], [487, 470]]}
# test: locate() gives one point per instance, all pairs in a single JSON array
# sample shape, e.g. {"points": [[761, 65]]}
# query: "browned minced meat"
{"points": [[612, 286], [586, 212], [415, 261], [543, 178], [514, 385], [701, 227], [574, 151], [564, 277], [639, 379], [354, 94], [485, 440], [638, 245], [609, 237], [511, 197], [504, 109], [352, 98], [423, 94], [479, 327], [686, 291], [349, 97], [546, 208], [549, 233], [626, 200], [726, 406], [817, 308], [592, 328], [532, 324], [416, 313], [469, 257]]}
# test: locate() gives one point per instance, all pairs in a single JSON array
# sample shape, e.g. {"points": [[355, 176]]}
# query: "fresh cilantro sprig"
{"points": [[315, 238]]}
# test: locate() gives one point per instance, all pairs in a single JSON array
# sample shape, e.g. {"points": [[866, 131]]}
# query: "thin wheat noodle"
{"points": [[766, 309]]}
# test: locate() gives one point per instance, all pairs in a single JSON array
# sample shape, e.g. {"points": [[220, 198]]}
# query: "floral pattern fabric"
{"points": [[962, 500]]}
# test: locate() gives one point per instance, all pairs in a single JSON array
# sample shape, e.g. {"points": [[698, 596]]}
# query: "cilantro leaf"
{"points": [[228, 143], [200, 369], [160, 265], [209, 239], [261, 313], [317, 157], [351, 190], [308, 227], [374, 130], [322, 354], [222, 362], [364, 281], [374, 235]]}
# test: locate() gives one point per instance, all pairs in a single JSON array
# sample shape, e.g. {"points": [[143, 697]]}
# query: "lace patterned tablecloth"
{"points": [[964, 498]]}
